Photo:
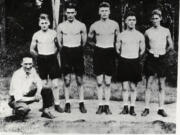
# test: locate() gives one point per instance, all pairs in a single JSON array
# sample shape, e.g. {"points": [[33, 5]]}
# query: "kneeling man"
{"points": [[25, 88]]}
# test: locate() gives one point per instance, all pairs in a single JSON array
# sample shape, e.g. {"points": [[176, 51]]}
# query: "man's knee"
{"points": [[99, 84], [133, 87], [55, 84], [79, 80], [107, 80], [125, 86], [67, 80]]}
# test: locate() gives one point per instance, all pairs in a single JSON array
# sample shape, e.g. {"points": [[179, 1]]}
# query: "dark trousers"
{"points": [[47, 97]]}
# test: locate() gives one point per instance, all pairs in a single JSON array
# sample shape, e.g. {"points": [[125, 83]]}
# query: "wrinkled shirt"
{"points": [[21, 83]]}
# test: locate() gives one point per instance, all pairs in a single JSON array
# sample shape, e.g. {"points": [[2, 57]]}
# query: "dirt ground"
{"points": [[91, 122]]}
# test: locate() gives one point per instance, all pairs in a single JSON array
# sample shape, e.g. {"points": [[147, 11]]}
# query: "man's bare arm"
{"points": [[84, 36], [33, 47], [91, 35], [170, 42], [118, 45], [142, 46], [59, 37]]}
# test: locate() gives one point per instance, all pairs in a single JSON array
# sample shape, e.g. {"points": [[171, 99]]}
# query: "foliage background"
{"points": [[21, 22]]}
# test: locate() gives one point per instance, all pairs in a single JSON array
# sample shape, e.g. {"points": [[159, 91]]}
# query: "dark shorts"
{"points": [[72, 60], [155, 65], [129, 70], [48, 66], [104, 61]]}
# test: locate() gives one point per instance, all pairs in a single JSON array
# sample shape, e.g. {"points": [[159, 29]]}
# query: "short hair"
{"points": [[156, 12], [129, 13], [43, 16], [70, 5], [104, 4], [26, 55]]}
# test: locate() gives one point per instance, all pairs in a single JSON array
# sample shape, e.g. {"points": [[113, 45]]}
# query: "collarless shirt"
{"points": [[130, 43], [105, 32], [157, 40], [21, 82], [71, 32], [45, 42]]}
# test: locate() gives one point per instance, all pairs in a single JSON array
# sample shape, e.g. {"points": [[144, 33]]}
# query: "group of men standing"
{"points": [[104, 35]]}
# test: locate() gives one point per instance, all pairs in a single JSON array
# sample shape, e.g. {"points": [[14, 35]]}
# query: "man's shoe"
{"points": [[58, 109], [106, 109], [145, 112], [47, 115], [67, 108], [100, 110], [125, 110], [162, 113], [132, 112], [41, 109], [82, 108]]}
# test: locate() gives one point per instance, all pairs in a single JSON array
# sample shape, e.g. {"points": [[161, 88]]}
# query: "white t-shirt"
{"points": [[105, 32], [45, 42], [157, 40], [130, 43], [20, 83], [71, 32]]}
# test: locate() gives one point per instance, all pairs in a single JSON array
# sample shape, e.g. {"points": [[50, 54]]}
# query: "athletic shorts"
{"points": [[72, 60], [104, 61], [129, 70], [155, 65], [48, 66]]}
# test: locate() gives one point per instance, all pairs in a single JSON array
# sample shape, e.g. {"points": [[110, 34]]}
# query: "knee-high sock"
{"points": [[55, 91], [147, 97], [81, 93], [107, 94], [125, 95], [133, 97], [100, 94], [66, 90]]}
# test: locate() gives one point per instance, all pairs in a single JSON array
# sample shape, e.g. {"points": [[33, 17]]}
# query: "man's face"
{"points": [[156, 19], [27, 64], [70, 14], [131, 22], [44, 24], [104, 12]]}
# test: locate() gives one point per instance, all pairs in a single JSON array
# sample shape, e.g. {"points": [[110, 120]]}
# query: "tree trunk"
{"points": [[55, 11], [2, 26]]}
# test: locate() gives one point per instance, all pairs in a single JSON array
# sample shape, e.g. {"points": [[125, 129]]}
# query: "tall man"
{"points": [[104, 31], [25, 88], [157, 38], [44, 47], [130, 46], [72, 37]]}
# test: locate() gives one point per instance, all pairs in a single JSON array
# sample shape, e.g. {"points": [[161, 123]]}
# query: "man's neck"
{"points": [[71, 21], [157, 26], [130, 29], [44, 31], [104, 19]]}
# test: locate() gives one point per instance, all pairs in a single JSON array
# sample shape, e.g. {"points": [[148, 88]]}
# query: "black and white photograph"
{"points": [[89, 67]]}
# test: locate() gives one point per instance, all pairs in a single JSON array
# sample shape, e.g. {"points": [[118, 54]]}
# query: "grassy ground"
{"points": [[90, 122]]}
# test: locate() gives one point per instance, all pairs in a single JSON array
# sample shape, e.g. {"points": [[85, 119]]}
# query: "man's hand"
{"points": [[37, 98], [118, 50]]}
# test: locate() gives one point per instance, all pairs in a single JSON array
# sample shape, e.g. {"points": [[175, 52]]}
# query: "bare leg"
{"points": [[107, 89], [133, 92], [161, 83], [55, 90], [79, 81], [67, 81], [125, 92], [100, 88], [100, 93], [149, 83]]}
